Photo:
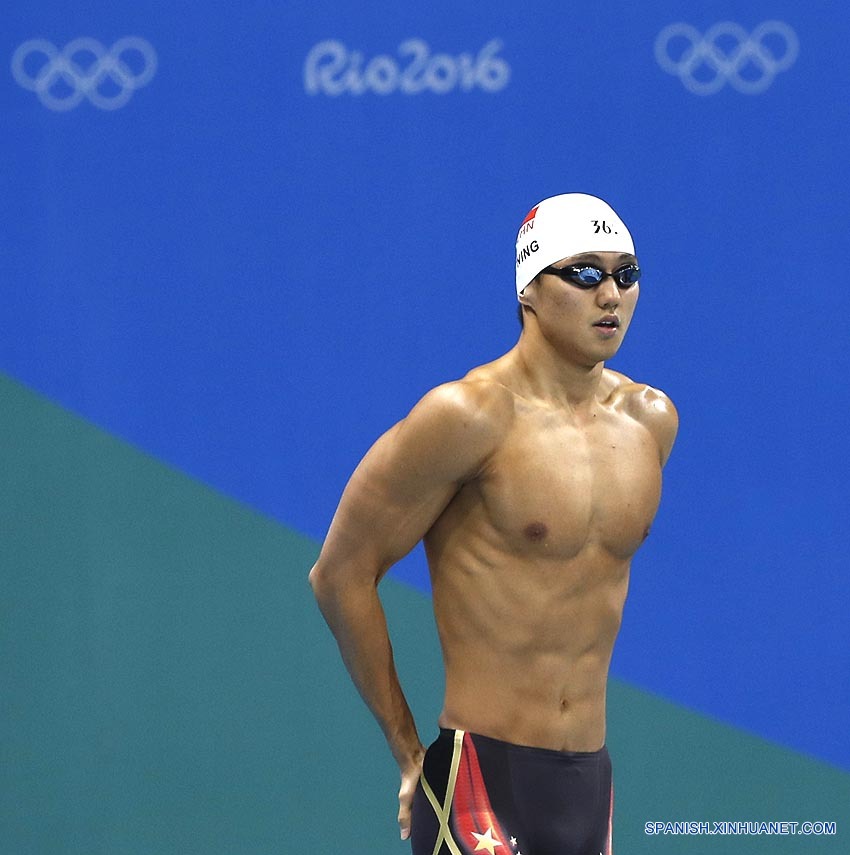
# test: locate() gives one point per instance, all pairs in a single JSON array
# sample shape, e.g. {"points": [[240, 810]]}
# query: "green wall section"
{"points": [[169, 688]]}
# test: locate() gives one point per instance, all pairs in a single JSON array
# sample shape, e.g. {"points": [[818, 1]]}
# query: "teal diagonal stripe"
{"points": [[169, 687]]}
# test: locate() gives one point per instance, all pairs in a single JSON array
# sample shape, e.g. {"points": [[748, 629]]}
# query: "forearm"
{"points": [[356, 617]]}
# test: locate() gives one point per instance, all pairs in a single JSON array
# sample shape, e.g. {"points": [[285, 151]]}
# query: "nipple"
{"points": [[536, 531]]}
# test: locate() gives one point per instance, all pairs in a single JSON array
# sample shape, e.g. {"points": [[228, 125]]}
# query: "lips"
{"points": [[608, 322]]}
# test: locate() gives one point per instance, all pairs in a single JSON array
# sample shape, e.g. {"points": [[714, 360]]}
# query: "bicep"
{"points": [[403, 484], [385, 510]]}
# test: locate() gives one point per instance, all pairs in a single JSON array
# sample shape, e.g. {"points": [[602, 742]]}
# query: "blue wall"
{"points": [[263, 258]]}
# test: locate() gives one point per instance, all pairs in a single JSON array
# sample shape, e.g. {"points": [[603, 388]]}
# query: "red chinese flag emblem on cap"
{"points": [[529, 215]]}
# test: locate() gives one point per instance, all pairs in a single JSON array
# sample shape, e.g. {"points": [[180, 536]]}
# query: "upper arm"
{"points": [[662, 419], [408, 477], [657, 413]]}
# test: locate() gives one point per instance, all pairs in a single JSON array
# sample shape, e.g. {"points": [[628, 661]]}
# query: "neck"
{"points": [[554, 376]]}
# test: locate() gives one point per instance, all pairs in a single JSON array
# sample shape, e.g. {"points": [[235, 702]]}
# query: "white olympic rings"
{"points": [[726, 65], [84, 80]]}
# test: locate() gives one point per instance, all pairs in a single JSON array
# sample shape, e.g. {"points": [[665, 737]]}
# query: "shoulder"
{"points": [[456, 426], [648, 405], [475, 406]]}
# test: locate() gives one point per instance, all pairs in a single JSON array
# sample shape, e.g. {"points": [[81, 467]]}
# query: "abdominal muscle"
{"points": [[527, 643]]}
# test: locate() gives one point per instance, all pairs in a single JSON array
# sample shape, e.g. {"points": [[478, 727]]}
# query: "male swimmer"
{"points": [[533, 481]]}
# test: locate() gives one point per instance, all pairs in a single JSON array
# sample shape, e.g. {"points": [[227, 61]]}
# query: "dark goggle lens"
{"points": [[627, 276], [588, 277]]}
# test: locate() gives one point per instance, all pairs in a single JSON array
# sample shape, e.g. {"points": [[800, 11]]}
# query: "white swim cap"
{"points": [[567, 225]]}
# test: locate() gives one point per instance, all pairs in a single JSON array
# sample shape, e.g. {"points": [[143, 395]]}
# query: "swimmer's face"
{"points": [[568, 315]]}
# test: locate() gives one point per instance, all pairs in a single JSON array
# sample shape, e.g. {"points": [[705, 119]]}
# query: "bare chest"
{"points": [[554, 488]]}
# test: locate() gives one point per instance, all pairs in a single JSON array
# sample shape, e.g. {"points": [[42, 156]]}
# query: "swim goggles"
{"points": [[587, 276]]}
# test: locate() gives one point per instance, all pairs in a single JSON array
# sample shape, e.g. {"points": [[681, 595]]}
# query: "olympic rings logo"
{"points": [[84, 69], [709, 62]]}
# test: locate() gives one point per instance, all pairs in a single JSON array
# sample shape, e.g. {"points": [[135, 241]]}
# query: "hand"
{"points": [[409, 780]]}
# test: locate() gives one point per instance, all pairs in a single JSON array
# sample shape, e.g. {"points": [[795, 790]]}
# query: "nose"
{"points": [[607, 293]]}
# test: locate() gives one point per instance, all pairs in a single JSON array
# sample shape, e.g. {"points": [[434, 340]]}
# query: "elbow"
{"points": [[319, 583], [315, 580], [325, 584], [329, 584]]}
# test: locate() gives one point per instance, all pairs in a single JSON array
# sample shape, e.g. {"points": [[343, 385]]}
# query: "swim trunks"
{"points": [[477, 794]]}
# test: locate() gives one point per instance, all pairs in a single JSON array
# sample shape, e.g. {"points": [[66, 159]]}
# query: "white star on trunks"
{"points": [[486, 841], [513, 842]]}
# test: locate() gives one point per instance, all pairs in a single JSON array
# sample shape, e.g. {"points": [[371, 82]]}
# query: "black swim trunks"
{"points": [[478, 794]]}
